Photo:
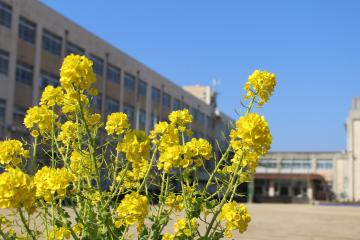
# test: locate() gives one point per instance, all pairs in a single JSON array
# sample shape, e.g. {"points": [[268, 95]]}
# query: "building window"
{"points": [[48, 79], [155, 94], [142, 87], [27, 30], [142, 119], [72, 48], [129, 82], [4, 62], [200, 117], [97, 102], [268, 163], [24, 73], [296, 164], [19, 115], [51, 43], [154, 120], [324, 164], [2, 110], [176, 104], [98, 65], [112, 105], [5, 14], [113, 74], [130, 112], [166, 100], [209, 122]]}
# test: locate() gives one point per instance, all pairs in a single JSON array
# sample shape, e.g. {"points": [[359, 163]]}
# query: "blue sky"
{"points": [[312, 46]]}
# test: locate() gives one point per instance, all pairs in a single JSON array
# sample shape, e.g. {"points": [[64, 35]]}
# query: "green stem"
{"points": [[148, 170], [23, 220]]}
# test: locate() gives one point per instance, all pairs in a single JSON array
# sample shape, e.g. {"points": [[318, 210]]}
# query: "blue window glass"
{"points": [[2, 110], [51, 43], [155, 94], [176, 104], [5, 14], [142, 86], [72, 48], [112, 105], [129, 82], [113, 74], [142, 119], [27, 30], [97, 102], [48, 79], [4, 62], [324, 164], [98, 65], [24, 73], [130, 112], [166, 100]]}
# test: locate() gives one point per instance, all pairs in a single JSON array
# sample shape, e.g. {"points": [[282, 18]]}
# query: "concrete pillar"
{"points": [[310, 192], [37, 64], [271, 191]]}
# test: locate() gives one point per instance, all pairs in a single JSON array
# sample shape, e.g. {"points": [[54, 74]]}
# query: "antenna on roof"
{"points": [[215, 83]]}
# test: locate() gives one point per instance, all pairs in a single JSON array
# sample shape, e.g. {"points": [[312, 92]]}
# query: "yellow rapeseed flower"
{"points": [[80, 163], [135, 145], [51, 182], [252, 133], [132, 210], [39, 118], [236, 216], [261, 84], [59, 233], [16, 189], [12, 152], [68, 133], [181, 118], [185, 227], [52, 96], [117, 123], [76, 73]]}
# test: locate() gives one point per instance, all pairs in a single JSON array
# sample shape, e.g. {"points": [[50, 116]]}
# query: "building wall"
{"points": [[19, 96]]}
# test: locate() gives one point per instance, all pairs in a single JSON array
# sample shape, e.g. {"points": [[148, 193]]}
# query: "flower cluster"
{"points": [[174, 201], [132, 210], [16, 189], [173, 152], [52, 96], [69, 132], [51, 181], [117, 123], [81, 164], [181, 118], [59, 233], [76, 73], [236, 216], [260, 84], [39, 119], [252, 133], [109, 180], [12, 152]]}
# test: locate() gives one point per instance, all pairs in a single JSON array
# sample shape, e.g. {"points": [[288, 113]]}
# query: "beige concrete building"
{"points": [[304, 176], [34, 39]]}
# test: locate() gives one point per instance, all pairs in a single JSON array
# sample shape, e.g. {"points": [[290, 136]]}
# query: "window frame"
{"points": [[5, 14], [155, 94], [98, 65], [24, 67], [51, 42], [4, 58], [129, 81], [27, 30], [115, 71]]}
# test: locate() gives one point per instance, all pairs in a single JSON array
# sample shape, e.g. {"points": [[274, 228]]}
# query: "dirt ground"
{"points": [[299, 222]]}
